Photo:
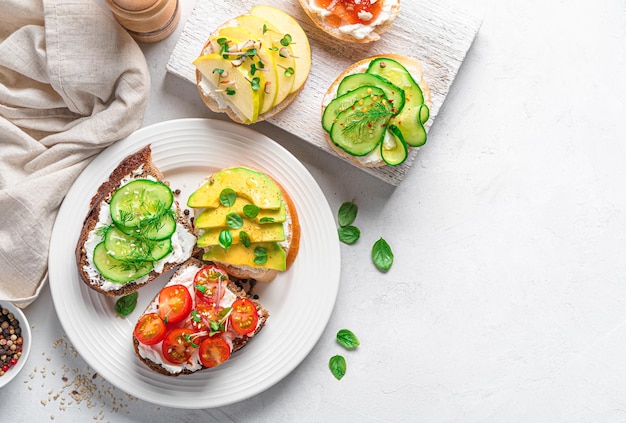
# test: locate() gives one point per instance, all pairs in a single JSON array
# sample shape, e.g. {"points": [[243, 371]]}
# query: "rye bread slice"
{"points": [[139, 165], [238, 342]]}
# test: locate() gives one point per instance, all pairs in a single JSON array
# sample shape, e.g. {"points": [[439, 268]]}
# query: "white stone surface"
{"points": [[507, 298]]}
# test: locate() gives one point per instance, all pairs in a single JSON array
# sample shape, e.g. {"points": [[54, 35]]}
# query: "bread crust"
{"points": [[335, 32], [293, 235], [411, 64], [238, 342], [213, 105], [140, 159]]}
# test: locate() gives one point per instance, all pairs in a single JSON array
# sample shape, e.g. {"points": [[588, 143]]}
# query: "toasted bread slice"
{"points": [[412, 65], [152, 356], [136, 166], [330, 22]]}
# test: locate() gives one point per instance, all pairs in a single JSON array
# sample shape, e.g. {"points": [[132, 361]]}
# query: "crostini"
{"points": [[134, 230], [375, 110], [196, 321], [254, 65], [358, 21], [246, 223]]}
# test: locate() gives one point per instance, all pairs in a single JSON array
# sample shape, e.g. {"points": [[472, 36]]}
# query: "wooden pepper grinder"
{"points": [[146, 20]]}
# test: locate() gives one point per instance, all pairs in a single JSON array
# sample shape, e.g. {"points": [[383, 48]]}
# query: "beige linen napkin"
{"points": [[72, 82]]}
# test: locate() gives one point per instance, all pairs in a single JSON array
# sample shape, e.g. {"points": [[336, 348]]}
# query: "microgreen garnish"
{"points": [[382, 256], [256, 83], [251, 211], [189, 340], [286, 40], [201, 288], [225, 238], [218, 70], [260, 255], [228, 196], [230, 91], [264, 28], [234, 221]]}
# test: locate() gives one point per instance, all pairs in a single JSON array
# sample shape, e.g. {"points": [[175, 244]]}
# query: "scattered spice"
{"points": [[10, 340]]}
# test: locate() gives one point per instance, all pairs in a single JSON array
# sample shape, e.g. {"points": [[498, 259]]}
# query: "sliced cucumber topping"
{"points": [[140, 202], [409, 120], [359, 129], [346, 101], [117, 271], [123, 247], [393, 149], [394, 94], [156, 230]]}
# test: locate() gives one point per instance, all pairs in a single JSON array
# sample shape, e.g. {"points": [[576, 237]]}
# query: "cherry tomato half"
{"points": [[204, 313], [175, 303], [178, 345], [150, 329], [210, 283], [244, 316], [214, 351]]}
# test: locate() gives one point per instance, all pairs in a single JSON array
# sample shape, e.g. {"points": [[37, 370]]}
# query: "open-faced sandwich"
{"points": [[360, 21], [196, 321], [134, 230], [253, 66], [375, 111], [247, 223]]}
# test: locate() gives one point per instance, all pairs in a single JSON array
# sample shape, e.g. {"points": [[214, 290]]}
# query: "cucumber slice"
{"points": [[118, 271], [127, 248], [359, 129], [409, 119], [156, 230], [140, 202], [393, 149], [346, 101], [394, 94]]}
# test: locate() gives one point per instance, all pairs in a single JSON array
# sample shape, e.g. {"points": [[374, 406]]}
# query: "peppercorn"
{"points": [[10, 340]]}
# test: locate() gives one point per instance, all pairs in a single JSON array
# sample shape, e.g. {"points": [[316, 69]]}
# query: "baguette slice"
{"points": [[137, 165], [152, 357], [291, 245], [329, 22], [412, 65]]}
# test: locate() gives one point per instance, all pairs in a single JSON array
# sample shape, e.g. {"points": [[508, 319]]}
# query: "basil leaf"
{"points": [[347, 213], [225, 238], [347, 339], [126, 304], [266, 219], [228, 196], [337, 365], [260, 255], [349, 234], [382, 256], [244, 238], [233, 220], [250, 211]]}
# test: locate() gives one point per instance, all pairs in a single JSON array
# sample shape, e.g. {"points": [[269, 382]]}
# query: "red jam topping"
{"points": [[350, 12]]}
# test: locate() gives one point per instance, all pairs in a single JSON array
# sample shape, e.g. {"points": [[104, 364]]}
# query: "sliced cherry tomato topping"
{"points": [[150, 329], [214, 351], [210, 283], [178, 345], [348, 12], [175, 303], [204, 314], [244, 316]]}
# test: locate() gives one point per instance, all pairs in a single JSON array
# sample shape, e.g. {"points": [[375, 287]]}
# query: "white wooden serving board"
{"points": [[429, 30]]}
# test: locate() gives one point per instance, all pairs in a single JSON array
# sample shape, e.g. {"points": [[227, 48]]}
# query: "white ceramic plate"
{"points": [[300, 301]]}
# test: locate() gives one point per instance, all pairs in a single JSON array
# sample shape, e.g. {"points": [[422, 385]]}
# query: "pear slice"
{"points": [[232, 84], [286, 24], [260, 65], [284, 60]]}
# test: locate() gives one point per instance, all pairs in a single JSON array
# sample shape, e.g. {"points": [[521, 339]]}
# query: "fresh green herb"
{"points": [[266, 219], [189, 340], [251, 211], [256, 83], [244, 238], [347, 339], [349, 234], [195, 315], [219, 325], [337, 365], [264, 28], [234, 221], [260, 255], [230, 91], [218, 70], [364, 119], [201, 288], [228, 196], [225, 238], [382, 256], [347, 213], [253, 69], [102, 230], [289, 72], [126, 304], [286, 40]]}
